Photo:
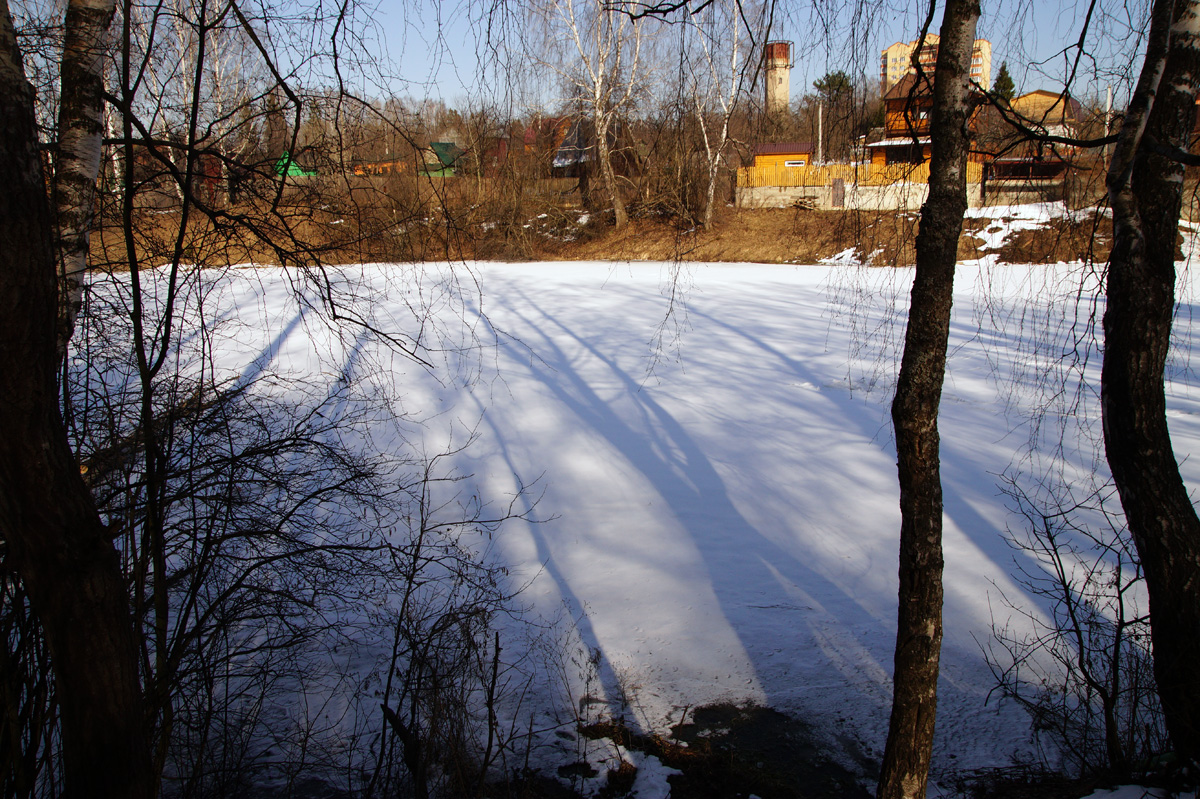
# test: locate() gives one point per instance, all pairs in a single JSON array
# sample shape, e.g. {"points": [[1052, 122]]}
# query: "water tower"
{"points": [[777, 70]]}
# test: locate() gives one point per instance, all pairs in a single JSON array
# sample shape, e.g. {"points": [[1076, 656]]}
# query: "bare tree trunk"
{"points": [[710, 192], [1145, 191], [80, 139], [53, 538], [715, 101], [604, 156], [604, 65], [915, 413]]}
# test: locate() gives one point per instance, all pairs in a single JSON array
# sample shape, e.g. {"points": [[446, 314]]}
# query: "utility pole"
{"points": [[820, 132]]}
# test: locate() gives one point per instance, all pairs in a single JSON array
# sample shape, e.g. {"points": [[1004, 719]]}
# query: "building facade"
{"points": [[908, 106], [896, 61], [786, 154]]}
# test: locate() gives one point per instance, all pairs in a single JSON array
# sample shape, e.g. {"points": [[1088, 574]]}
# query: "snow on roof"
{"points": [[897, 142]]}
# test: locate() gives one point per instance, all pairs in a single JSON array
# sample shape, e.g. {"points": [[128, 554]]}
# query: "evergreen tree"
{"points": [[834, 87], [1003, 88]]}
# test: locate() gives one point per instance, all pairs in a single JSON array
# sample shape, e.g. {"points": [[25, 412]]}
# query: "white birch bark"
{"points": [[603, 66], [717, 65], [80, 142]]}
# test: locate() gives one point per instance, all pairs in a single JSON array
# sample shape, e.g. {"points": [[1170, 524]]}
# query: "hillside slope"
{"points": [[809, 237]]}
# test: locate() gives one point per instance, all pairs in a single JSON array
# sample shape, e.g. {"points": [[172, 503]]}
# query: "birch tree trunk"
{"points": [[605, 68], [604, 156], [915, 417], [716, 88], [1145, 189], [80, 140], [53, 537]]}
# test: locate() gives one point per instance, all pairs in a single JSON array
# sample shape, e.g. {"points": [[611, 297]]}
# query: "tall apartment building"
{"points": [[896, 61]]}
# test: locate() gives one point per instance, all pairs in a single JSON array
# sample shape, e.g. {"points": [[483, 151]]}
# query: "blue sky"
{"points": [[435, 45]]}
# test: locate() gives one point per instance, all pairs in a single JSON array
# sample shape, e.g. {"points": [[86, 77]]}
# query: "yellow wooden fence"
{"points": [[862, 174]]}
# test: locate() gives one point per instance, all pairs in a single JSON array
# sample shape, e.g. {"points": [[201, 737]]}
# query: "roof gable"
{"points": [[1044, 105], [901, 89]]}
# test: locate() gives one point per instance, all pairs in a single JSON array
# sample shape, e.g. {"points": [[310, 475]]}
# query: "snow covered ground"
{"points": [[711, 454]]}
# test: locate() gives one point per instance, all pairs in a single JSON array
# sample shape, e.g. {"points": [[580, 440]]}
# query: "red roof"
{"points": [[783, 148]]}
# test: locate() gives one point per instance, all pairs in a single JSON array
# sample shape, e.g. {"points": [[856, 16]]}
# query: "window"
{"points": [[799, 162]]}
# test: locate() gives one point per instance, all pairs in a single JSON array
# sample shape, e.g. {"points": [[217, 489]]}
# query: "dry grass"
{"points": [[758, 236], [807, 237], [1061, 240], [454, 221]]}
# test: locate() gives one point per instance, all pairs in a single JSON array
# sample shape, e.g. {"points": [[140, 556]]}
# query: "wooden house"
{"points": [[907, 106], [563, 143], [1057, 113], [1017, 169], [378, 168], [441, 159], [568, 146], [791, 153]]}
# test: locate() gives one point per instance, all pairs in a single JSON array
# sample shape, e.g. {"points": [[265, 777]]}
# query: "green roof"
{"points": [[286, 165], [447, 152]]}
